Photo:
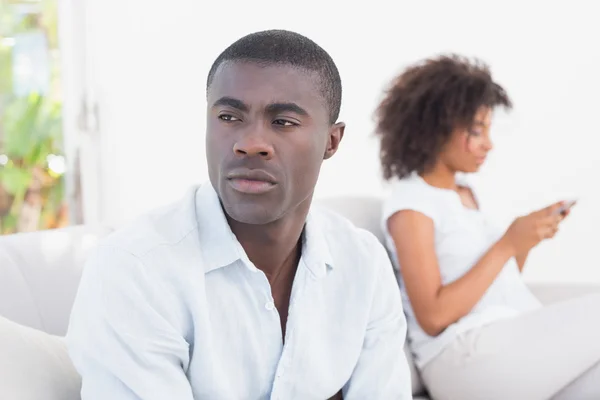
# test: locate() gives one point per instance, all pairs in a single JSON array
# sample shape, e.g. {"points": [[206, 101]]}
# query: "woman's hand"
{"points": [[528, 231]]}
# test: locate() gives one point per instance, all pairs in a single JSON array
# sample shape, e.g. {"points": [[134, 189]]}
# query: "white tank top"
{"points": [[462, 237]]}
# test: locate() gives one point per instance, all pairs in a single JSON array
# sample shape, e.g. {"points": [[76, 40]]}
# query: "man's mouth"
{"points": [[251, 181]]}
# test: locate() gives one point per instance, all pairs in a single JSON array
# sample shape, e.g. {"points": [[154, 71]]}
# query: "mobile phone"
{"points": [[566, 207]]}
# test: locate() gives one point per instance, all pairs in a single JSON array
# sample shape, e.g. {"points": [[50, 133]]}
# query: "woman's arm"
{"points": [[437, 306], [521, 259]]}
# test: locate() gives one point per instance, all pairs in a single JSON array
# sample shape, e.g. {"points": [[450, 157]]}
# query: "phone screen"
{"points": [[566, 206]]}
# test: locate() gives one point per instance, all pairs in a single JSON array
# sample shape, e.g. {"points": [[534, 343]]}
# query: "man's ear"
{"points": [[336, 133]]}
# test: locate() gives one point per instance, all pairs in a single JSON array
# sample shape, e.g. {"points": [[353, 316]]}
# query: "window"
{"points": [[32, 160]]}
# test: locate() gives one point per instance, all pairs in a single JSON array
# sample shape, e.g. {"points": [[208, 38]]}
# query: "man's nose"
{"points": [[253, 144]]}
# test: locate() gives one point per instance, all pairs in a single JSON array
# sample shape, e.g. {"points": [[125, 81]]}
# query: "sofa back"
{"points": [[40, 272]]}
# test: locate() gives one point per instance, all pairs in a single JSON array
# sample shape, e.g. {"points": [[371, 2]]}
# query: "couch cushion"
{"points": [[35, 365], [40, 272], [549, 293]]}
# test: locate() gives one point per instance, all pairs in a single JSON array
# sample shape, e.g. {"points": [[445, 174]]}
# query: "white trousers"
{"points": [[549, 353]]}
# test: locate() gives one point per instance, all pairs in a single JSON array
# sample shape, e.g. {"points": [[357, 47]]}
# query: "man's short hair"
{"points": [[280, 47]]}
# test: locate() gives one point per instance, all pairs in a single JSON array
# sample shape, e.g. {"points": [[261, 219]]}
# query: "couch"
{"points": [[39, 274]]}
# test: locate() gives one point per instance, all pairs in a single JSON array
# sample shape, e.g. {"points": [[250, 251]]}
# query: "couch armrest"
{"points": [[549, 293]]}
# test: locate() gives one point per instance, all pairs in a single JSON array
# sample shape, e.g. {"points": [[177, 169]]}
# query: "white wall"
{"points": [[150, 62]]}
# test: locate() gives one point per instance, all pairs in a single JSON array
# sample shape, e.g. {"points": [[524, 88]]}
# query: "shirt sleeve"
{"points": [[382, 371], [411, 196], [119, 339]]}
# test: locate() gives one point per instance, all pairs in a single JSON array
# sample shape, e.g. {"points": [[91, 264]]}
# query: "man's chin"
{"points": [[251, 213]]}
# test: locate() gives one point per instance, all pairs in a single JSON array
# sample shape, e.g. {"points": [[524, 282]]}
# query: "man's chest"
{"points": [[238, 348]]}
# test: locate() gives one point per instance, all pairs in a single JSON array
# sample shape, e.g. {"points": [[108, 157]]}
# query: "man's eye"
{"points": [[284, 122], [228, 118]]}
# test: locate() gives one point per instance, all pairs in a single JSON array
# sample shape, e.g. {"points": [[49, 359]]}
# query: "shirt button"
{"points": [[270, 306]]}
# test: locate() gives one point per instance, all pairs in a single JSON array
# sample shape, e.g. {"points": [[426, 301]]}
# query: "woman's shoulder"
{"points": [[413, 193], [413, 188]]}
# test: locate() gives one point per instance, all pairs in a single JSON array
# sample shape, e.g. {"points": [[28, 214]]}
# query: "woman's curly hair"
{"points": [[425, 104]]}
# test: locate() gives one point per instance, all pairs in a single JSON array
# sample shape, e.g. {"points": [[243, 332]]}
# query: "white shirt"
{"points": [[172, 308], [462, 237]]}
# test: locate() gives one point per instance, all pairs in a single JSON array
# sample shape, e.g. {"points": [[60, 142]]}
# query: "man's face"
{"points": [[268, 131]]}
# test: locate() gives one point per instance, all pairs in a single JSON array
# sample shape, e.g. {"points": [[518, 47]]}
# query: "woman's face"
{"points": [[467, 148]]}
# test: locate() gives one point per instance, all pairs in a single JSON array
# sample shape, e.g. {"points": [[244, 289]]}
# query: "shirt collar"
{"points": [[315, 249], [221, 248], [219, 245]]}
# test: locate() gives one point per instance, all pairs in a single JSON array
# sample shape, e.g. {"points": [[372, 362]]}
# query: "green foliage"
{"points": [[15, 180], [30, 127], [32, 131]]}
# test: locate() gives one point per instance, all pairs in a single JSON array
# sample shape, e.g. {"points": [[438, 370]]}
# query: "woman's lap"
{"points": [[532, 356]]}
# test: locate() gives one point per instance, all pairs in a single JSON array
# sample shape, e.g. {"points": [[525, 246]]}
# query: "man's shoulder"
{"points": [[356, 254], [163, 226], [343, 236]]}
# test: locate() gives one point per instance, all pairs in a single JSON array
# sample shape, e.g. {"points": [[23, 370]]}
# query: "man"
{"points": [[238, 291]]}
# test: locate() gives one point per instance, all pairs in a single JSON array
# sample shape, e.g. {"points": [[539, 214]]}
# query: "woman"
{"points": [[474, 327]]}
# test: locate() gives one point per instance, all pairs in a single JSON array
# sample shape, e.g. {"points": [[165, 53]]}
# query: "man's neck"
{"points": [[274, 246]]}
